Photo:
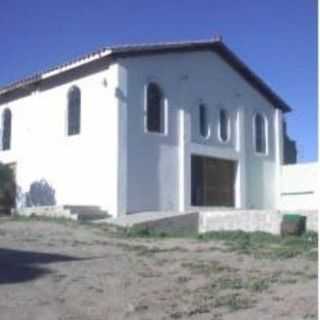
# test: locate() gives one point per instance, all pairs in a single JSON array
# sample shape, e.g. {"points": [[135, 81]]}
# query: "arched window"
{"points": [[224, 126], [203, 121], [6, 129], [260, 133], [74, 110], [155, 108]]}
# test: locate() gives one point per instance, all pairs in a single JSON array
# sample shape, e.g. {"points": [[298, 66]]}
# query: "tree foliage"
{"points": [[7, 186]]}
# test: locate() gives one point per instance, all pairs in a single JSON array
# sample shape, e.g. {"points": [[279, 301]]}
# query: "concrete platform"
{"points": [[199, 220], [168, 222], [211, 219]]}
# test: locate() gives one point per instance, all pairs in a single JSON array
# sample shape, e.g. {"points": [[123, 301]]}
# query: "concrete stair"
{"points": [[172, 222], [81, 213], [162, 222], [132, 219], [87, 213]]}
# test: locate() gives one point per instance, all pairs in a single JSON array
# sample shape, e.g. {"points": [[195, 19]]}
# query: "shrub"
{"points": [[7, 187]]}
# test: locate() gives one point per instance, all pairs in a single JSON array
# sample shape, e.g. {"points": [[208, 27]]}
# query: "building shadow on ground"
{"points": [[21, 266]]}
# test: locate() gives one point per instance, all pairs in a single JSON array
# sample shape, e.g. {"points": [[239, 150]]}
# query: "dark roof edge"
{"points": [[132, 50]]}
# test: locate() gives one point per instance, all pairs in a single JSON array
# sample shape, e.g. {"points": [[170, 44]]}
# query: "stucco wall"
{"points": [[158, 165], [251, 220], [114, 162], [81, 169], [298, 187]]}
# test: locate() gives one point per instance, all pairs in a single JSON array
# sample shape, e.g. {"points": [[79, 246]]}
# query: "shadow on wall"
{"points": [[41, 193]]}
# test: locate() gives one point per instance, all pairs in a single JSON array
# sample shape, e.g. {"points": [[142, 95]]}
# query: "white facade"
{"points": [[158, 169], [82, 169], [115, 162]]}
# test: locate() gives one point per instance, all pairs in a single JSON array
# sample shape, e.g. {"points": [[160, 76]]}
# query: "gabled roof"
{"points": [[216, 45]]}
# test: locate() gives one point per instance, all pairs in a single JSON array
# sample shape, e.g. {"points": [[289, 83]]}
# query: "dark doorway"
{"points": [[212, 182]]}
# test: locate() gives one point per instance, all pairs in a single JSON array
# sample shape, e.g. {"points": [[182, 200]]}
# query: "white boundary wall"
{"points": [[298, 187], [250, 220]]}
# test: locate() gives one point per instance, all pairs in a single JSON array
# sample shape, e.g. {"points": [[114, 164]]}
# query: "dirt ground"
{"points": [[51, 270]]}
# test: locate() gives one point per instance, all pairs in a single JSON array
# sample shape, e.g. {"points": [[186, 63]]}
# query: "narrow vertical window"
{"points": [[74, 111], [155, 108], [224, 120], [6, 129], [260, 134], [203, 121]]}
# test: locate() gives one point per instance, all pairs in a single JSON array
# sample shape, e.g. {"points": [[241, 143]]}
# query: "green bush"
{"points": [[7, 187]]}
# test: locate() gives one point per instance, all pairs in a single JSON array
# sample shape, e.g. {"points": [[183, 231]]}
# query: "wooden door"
{"points": [[212, 182]]}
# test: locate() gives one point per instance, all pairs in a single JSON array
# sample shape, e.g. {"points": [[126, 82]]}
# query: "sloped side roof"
{"points": [[216, 45]]}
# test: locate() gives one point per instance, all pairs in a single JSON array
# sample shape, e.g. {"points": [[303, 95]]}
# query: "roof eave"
{"points": [[216, 45]]}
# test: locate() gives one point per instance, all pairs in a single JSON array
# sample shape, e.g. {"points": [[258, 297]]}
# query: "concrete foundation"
{"points": [[176, 223], [251, 220]]}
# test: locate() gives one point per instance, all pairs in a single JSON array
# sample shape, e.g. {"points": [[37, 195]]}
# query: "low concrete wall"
{"points": [[298, 187], [170, 223], [206, 220], [46, 211], [250, 220], [174, 223]]}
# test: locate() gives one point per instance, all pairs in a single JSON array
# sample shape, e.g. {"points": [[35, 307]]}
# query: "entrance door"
{"points": [[212, 182]]}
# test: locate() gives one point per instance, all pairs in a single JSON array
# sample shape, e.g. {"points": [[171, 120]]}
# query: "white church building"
{"points": [[158, 127]]}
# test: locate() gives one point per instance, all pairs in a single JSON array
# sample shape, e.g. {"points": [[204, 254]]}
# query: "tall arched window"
{"points": [[155, 108], [203, 121], [224, 125], [6, 129], [74, 110], [260, 133]]}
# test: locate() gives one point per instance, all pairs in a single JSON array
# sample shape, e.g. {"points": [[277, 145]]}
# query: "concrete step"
{"points": [[82, 213], [76, 208], [46, 211], [131, 219], [209, 219], [92, 216], [87, 213], [162, 222]]}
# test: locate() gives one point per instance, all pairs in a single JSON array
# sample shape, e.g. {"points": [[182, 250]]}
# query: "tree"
{"points": [[7, 187], [40, 194]]}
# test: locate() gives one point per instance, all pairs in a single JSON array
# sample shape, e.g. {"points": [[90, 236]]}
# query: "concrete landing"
{"points": [[168, 222], [251, 220], [134, 218], [199, 220], [210, 219]]}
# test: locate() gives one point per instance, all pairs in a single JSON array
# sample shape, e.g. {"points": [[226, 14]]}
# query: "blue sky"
{"points": [[276, 38]]}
